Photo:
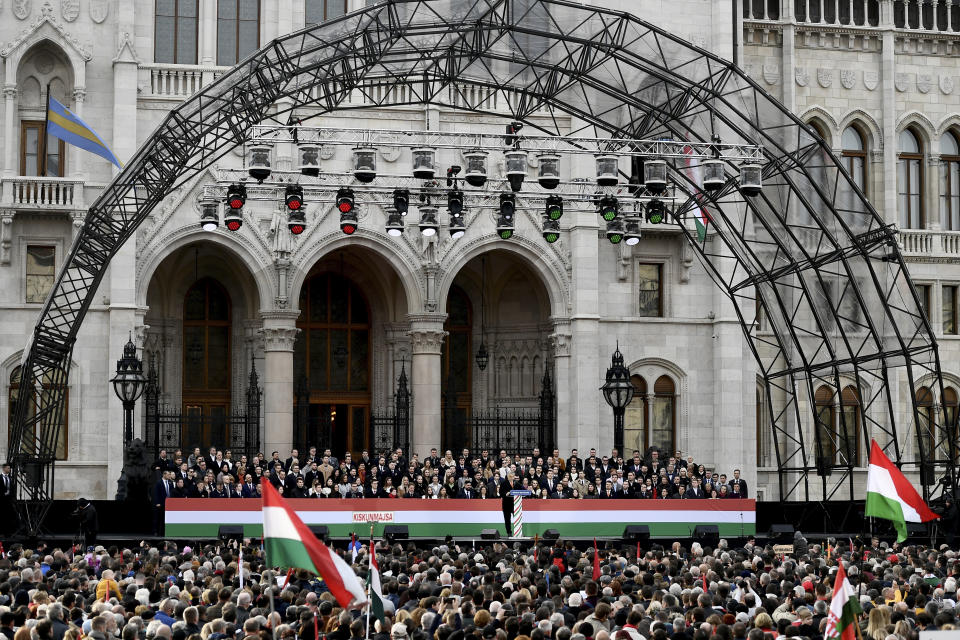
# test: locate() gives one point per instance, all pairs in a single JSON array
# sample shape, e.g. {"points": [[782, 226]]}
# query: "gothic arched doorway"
{"points": [[331, 365], [207, 324], [456, 357]]}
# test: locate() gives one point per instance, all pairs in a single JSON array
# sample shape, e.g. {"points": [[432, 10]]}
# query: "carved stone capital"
{"points": [[428, 341], [10, 92], [560, 343], [279, 338], [79, 95]]}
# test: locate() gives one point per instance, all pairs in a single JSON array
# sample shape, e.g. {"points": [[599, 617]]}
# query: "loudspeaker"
{"points": [[917, 532], [230, 532], [928, 474], [551, 535], [708, 533], [320, 531], [394, 532], [636, 533], [781, 533], [33, 471], [489, 534]]}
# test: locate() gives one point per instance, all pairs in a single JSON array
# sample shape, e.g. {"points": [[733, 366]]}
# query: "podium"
{"points": [[517, 519]]}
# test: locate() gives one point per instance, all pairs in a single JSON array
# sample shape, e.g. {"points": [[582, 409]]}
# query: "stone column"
{"points": [[208, 32], [10, 109], [888, 119], [426, 337], [279, 333], [560, 345]]}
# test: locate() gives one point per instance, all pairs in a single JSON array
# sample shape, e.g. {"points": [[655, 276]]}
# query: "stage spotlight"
{"points": [[607, 168], [516, 168], [656, 212], [294, 197], [505, 227], [511, 138], [258, 164], [508, 205], [615, 231], [632, 235], [209, 215], [457, 226], [428, 221], [394, 224], [236, 195], [751, 179], [551, 230], [548, 174], [401, 201], [554, 207], [609, 208], [476, 173], [345, 200], [297, 221], [455, 201], [424, 163], [364, 164], [348, 222], [655, 175], [714, 176], [309, 159], [233, 219]]}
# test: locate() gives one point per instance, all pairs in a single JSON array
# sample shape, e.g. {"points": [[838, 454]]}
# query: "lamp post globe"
{"points": [[618, 393], [128, 384]]}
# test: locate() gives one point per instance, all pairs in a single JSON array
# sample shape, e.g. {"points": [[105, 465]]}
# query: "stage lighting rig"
{"points": [[428, 221], [401, 201], [609, 208], [476, 174], [236, 195], [632, 235], [233, 219], [345, 200], [656, 212], [297, 221], [508, 205], [394, 225], [455, 201], [209, 215], [452, 173], [505, 227], [554, 207], [457, 226], [615, 231], [551, 230], [258, 164]]}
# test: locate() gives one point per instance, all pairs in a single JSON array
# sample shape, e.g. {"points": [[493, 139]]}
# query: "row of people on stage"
{"points": [[219, 475]]}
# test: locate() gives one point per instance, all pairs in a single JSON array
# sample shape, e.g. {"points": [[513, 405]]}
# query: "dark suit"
{"points": [[743, 487], [467, 493], [161, 491], [694, 493], [248, 491], [506, 503]]}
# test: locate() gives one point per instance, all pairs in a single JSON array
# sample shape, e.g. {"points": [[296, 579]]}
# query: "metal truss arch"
{"points": [[809, 256]]}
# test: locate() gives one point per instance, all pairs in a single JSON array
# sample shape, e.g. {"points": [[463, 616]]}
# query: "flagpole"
{"points": [[42, 164], [369, 586]]}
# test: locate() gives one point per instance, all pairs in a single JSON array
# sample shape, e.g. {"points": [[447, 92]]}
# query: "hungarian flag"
{"points": [[289, 543], [355, 547], [376, 594], [844, 609], [596, 561], [891, 496], [695, 173]]}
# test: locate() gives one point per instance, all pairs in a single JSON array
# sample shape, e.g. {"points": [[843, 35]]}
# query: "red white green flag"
{"points": [[844, 609], [695, 173], [376, 592], [289, 543], [891, 496]]}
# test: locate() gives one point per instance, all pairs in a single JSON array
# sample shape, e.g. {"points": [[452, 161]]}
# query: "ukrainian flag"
{"points": [[63, 124]]}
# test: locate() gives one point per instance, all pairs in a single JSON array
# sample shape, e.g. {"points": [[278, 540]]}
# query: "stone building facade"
{"points": [[349, 313]]}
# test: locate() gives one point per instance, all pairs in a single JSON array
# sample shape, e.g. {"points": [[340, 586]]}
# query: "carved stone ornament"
{"points": [[802, 77], [426, 340], [848, 78], [70, 9], [279, 338], [771, 73], [871, 79], [99, 9], [22, 8], [825, 77], [946, 84], [924, 82], [901, 81]]}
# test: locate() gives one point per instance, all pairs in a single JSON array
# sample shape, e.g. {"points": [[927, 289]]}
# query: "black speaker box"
{"points": [[781, 533], [489, 534], [320, 531], [636, 533], [551, 535], [230, 532], [709, 533], [394, 532]]}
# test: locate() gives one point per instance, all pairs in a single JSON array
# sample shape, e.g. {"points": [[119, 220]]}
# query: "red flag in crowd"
{"points": [[638, 551], [596, 561]]}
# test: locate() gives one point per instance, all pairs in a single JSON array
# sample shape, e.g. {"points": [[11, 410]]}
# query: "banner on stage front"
{"points": [[373, 516]]}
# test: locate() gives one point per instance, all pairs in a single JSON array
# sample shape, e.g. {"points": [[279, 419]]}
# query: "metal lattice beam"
{"points": [[809, 254]]}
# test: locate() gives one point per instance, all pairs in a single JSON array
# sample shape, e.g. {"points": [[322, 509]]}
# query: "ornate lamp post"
{"points": [[618, 392], [128, 384]]}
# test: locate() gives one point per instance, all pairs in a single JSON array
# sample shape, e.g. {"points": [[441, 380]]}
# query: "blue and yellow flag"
{"points": [[64, 124]]}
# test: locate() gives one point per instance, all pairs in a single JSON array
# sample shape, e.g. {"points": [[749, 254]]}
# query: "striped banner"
{"points": [[517, 516], [201, 518]]}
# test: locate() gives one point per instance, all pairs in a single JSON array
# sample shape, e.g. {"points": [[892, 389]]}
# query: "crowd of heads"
{"points": [[484, 474], [459, 591]]}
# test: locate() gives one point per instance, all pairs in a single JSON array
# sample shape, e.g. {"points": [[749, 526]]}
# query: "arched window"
{"points": [[175, 31], [238, 30], [854, 156], [663, 418], [636, 418], [826, 431], [925, 421], [763, 427], [316, 11], [910, 180], [950, 182], [821, 130], [206, 364], [28, 443], [950, 402], [849, 428]]}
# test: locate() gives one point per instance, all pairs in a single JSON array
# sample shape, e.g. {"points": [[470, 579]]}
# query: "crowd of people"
{"points": [[219, 475], [456, 591]]}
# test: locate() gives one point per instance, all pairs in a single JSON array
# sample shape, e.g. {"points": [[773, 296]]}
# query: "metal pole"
{"points": [[127, 423], [618, 429]]}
